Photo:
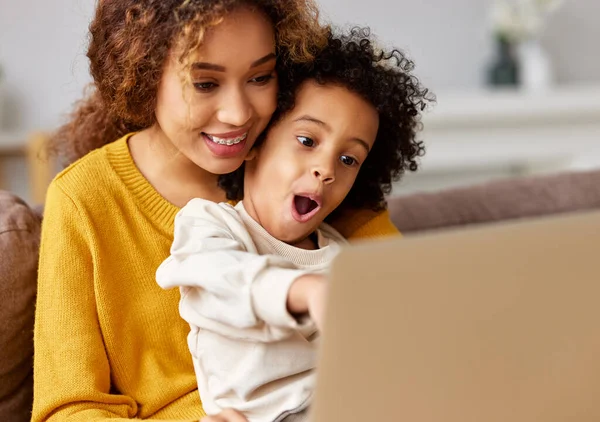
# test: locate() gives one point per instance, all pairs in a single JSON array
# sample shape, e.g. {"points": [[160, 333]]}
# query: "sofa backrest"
{"points": [[495, 201]]}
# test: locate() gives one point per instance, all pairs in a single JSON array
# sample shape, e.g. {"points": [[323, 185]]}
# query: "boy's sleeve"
{"points": [[224, 286]]}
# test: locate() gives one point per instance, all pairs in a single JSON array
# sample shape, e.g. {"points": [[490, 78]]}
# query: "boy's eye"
{"points": [[348, 161], [307, 142], [205, 86]]}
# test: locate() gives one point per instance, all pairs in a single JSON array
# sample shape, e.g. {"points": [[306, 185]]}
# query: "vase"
{"points": [[535, 68], [504, 70]]}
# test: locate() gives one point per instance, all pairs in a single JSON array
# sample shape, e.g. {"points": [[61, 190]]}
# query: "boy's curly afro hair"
{"points": [[384, 79]]}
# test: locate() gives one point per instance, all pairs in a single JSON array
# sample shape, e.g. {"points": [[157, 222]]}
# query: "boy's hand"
{"points": [[317, 298], [227, 415], [307, 295]]}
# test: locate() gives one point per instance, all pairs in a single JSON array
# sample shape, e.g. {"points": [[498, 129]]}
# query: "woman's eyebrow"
{"points": [[263, 60], [220, 68]]}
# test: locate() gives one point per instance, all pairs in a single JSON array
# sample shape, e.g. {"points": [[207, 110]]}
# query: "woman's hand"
{"points": [[227, 415]]}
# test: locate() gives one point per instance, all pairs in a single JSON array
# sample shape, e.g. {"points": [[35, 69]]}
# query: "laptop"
{"points": [[495, 323]]}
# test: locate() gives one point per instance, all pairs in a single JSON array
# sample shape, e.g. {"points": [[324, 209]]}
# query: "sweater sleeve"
{"points": [[227, 288], [71, 369]]}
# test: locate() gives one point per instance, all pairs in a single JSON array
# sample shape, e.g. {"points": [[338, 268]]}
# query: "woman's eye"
{"points": [[205, 86], [348, 161], [262, 80], [307, 142]]}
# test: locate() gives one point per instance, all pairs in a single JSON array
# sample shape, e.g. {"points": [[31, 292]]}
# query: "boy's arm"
{"points": [[225, 287], [307, 295]]}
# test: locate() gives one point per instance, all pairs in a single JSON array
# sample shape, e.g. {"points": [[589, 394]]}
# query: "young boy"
{"points": [[251, 275]]}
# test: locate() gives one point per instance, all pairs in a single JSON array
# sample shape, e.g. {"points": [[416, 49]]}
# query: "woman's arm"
{"points": [[72, 374]]}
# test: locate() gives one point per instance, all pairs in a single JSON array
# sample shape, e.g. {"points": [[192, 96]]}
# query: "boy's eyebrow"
{"points": [[219, 68], [362, 143], [307, 118]]}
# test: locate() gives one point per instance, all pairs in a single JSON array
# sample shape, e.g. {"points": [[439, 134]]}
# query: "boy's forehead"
{"points": [[311, 92], [331, 100], [310, 88], [312, 97], [336, 110]]}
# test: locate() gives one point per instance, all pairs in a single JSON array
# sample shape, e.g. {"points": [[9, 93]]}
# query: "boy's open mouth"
{"points": [[304, 208]]}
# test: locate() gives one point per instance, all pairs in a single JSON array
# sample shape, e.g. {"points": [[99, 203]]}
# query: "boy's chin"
{"points": [[287, 237], [293, 237]]}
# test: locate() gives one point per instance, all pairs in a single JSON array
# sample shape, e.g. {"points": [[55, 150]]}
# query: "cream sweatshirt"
{"points": [[249, 353]]}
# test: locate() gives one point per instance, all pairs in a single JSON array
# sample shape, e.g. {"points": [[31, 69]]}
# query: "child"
{"points": [[251, 275]]}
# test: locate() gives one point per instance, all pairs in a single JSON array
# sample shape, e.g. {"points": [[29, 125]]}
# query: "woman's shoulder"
{"points": [[91, 175], [365, 224]]}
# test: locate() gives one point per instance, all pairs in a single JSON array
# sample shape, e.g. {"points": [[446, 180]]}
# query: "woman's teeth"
{"points": [[227, 141]]}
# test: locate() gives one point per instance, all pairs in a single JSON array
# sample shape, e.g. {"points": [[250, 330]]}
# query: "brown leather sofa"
{"points": [[20, 229]]}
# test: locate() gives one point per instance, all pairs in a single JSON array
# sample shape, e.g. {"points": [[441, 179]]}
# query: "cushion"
{"points": [[19, 243], [521, 197]]}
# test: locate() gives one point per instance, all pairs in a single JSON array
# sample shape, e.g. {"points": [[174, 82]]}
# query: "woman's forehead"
{"points": [[244, 35]]}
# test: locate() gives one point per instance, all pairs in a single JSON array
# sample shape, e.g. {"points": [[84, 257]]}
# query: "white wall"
{"points": [[42, 46], [450, 42], [446, 38], [573, 41], [42, 52]]}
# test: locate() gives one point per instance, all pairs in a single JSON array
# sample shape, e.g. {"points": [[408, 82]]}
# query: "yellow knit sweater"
{"points": [[109, 342]]}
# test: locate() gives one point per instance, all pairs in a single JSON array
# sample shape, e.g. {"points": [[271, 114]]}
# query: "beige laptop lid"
{"points": [[489, 324]]}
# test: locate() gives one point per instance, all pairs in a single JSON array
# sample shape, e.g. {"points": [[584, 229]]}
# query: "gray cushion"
{"points": [[19, 243]]}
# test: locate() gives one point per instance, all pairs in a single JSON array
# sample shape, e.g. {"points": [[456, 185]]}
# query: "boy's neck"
{"points": [[311, 242]]}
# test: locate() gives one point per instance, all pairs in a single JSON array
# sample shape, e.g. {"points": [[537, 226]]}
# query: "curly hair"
{"points": [[382, 78], [129, 44]]}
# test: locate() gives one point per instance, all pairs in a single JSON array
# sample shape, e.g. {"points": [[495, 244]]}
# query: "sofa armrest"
{"points": [[19, 243]]}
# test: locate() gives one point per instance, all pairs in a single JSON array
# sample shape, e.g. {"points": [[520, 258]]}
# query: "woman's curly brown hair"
{"points": [[385, 80], [129, 44]]}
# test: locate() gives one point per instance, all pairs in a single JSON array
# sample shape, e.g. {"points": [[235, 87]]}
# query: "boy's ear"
{"points": [[251, 155]]}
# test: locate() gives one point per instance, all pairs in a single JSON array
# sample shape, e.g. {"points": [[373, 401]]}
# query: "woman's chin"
{"points": [[220, 166]]}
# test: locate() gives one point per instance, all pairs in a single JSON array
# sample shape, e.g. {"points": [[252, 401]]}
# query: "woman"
{"points": [[182, 88]]}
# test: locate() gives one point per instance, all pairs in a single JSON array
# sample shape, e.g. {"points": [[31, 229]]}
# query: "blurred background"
{"points": [[517, 83]]}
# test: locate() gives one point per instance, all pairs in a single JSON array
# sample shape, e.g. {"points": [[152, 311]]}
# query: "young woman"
{"points": [[182, 88]]}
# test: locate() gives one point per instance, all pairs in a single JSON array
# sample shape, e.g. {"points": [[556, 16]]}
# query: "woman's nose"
{"points": [[235, 108]]}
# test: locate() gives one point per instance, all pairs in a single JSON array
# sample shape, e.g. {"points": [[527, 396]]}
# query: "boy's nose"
{"points": [[324, 173]]}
